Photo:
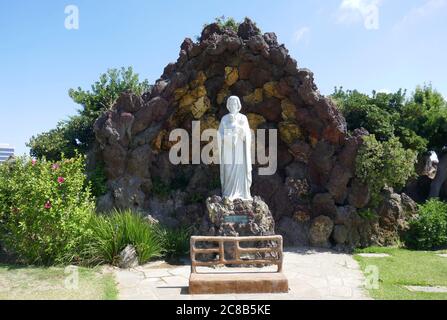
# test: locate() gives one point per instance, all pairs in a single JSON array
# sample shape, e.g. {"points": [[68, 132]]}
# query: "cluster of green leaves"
{"points": [[70, 137], [195, 197], [107, 90], [429, 229], [381, 164], [45, 208], [420, 121], [163, 189], [98, 180], [229, 23], [160, 188], [175, 241], [76, 134], [425, 114], [111, 233], [367, 213]]}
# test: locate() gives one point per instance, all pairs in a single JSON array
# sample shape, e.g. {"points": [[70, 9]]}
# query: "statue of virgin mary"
{"points": [[234, 142]]}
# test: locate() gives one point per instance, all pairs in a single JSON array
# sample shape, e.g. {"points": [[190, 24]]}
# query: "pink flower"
{"points": [[55, 166], [60, 180], [33, 162], [47, 205]]}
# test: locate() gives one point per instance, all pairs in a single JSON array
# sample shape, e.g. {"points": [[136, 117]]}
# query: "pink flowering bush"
{"points": [[45, 209]]}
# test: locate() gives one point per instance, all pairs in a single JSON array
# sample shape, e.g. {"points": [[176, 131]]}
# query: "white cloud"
{"points": [[356, 11], [301, 34], [428, 8]]}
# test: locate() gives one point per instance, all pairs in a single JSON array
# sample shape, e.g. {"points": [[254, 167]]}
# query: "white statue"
{"points": [[234, 140]]}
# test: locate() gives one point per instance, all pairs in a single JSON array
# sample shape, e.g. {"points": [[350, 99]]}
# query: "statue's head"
{"points": [[234, 105]]}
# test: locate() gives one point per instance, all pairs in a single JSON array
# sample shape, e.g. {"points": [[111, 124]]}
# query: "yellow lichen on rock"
{"points": [[187, 100], [289, 132], [231, 76], [208, 122], [158, 140], [173, 120], [255, 120], [271, 90], [180, 92], [288, 110], [199, 92], [195, 99], [222, 94], [200, 107], [201, 77], [199, 81], [255, 97]]}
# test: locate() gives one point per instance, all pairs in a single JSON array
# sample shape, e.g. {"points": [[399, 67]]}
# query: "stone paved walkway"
{"points": [[312, 274]]}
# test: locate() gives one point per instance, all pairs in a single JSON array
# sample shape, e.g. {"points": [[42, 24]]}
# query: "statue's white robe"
{"points": [[234, 141]]}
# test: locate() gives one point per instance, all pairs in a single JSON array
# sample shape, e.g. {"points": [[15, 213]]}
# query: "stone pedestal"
{"points": [[238, 218]]}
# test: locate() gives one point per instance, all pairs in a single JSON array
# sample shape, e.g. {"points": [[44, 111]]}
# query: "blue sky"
{"points": [[362, 44]]}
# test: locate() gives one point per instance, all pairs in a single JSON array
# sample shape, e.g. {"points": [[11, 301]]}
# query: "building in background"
{"points": [[6, 151]]}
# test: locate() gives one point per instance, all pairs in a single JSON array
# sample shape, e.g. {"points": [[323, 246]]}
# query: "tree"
{"points": [[76, 134], [375, 113], [69, 136], [419, 121], [106, 91], [425, 113]]}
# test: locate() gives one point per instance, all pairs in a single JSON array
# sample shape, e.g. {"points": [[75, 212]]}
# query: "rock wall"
{"points": [[314, 196]]}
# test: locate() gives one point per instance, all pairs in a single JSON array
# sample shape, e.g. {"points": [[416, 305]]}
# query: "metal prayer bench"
{"points": [[237, 282]]}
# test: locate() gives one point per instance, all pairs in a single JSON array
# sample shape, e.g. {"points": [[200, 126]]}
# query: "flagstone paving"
{"points": [[427, 289], [312, 274], [374, 255]]}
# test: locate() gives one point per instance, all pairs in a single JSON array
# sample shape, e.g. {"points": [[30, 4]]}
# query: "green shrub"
{"points": [[98, 180], [231, 24], [175, 241], [44, 209], [195, 197], [227, 23], [163, 190], [160, 188], [381, 164], [110, 234], [429, 229], [419, 120], [367, 213]]}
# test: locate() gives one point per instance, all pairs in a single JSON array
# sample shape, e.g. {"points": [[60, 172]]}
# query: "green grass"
{"points": [[40, 283], [406, 267]]}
